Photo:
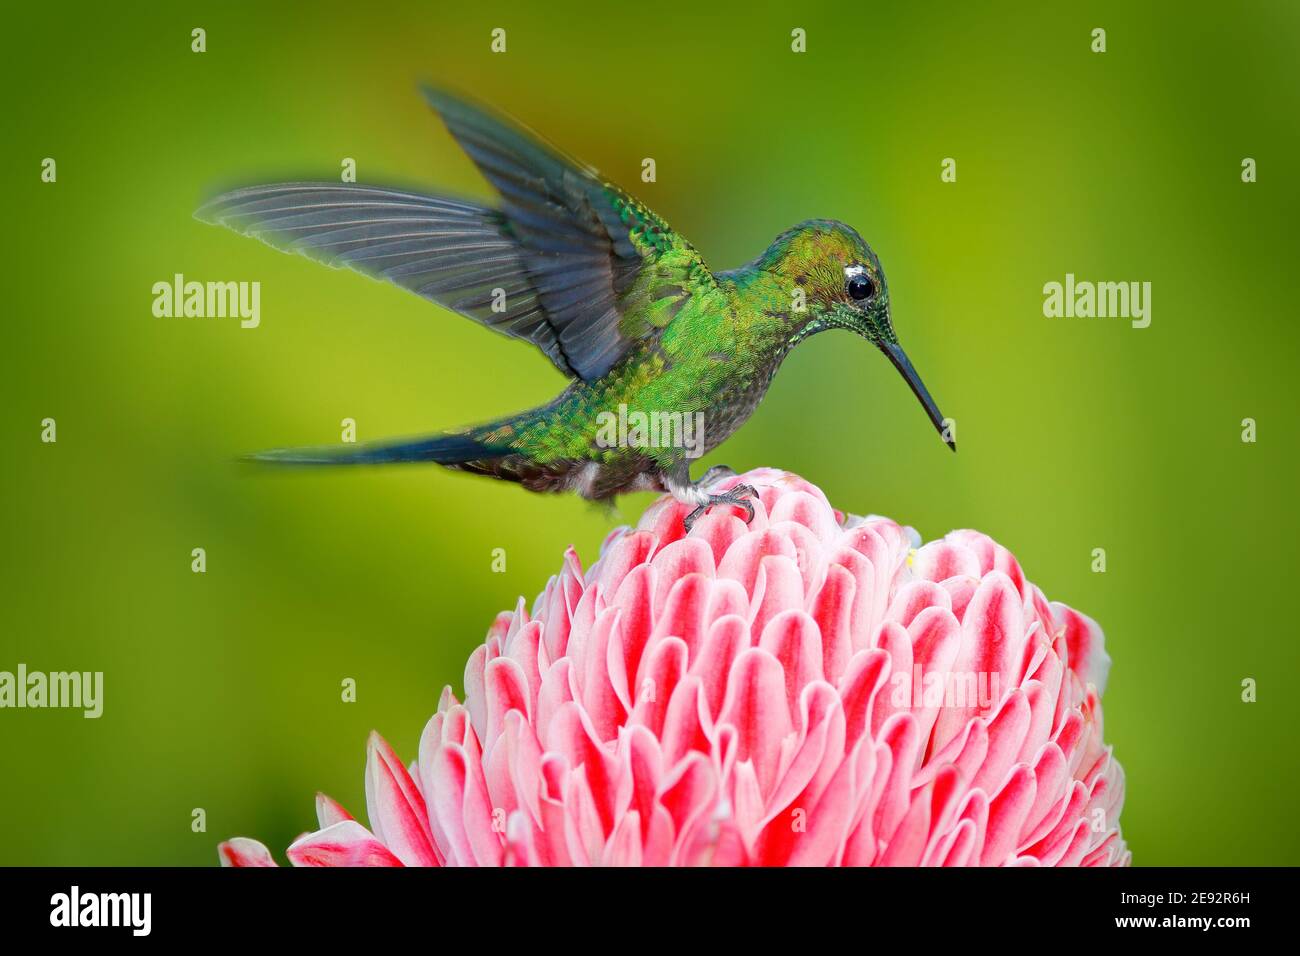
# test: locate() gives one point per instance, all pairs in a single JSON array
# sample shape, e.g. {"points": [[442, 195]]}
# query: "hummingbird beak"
{"points": [[899, 358]]}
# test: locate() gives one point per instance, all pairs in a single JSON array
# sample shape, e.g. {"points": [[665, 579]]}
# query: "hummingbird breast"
{"points": [[735, 403]]}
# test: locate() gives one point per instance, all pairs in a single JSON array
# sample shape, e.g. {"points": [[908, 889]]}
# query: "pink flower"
{"points": [[804, 690]]}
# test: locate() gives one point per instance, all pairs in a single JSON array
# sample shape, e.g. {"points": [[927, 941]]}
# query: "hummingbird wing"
{"points": [[564, 263]]}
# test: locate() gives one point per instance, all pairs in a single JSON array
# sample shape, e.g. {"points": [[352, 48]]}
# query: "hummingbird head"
{"points": [[838, 280]]}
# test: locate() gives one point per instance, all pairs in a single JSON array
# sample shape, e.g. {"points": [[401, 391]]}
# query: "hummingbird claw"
{"points": [[738, 496]]}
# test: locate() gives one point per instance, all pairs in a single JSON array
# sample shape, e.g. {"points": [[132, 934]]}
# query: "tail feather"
{"points": [[441, 449]]}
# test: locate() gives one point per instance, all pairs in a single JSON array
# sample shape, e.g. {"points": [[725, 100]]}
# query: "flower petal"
{"points": [[243, 852], [346, 843], [396, 809]]}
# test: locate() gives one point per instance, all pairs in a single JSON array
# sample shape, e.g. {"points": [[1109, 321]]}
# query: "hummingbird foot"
{"points": [[738, 496]]}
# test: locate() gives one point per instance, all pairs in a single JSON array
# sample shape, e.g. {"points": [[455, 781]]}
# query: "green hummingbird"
{"points": [[618, 301]]}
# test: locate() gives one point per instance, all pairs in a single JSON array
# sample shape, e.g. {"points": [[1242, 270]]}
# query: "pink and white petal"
{"points": [[946, 796], [329, 811], [811, 554], [583, 829], [757, 679], [819, 753], [572, 735], [475, 701], [688, 793], [940, 560], [833, 799], [747, 805], [863, 680], [1050, 848], [557, 690], [908, 842], [484, 823], [830, 608], [742, 560], [726, 597], [640, 768], [498, 782], [975, 810], [936, 639], [396, 809], [583, 619], [686, 725], [794, 640], [778, 588], [604, 671], [500, 626], [720, 844], [244, 852], [1088, 657], [552, 841], [1007, 813], [658, 847], [527, 651], [862, 628], [346, 843], [1104, 854], [806, 509], [635, 601], [684, 612], [727, 636], [624, 845], [630, 551], [992, 641], [661, 672], [524, 760], [872, 765], [914, 597], [521, 841], [966, 752], [899, 735], [961, 589], [719, 529], [903, 694], [959, 845], [1078, 847], [1051, 785], [672, 563], [448, 773], [505, 687], [447, 699], [1007, 732]]}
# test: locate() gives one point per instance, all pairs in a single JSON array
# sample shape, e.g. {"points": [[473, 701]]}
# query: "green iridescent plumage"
{"points": [[603, 286]]}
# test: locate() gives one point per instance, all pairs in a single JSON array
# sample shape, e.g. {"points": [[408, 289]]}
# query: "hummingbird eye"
{"points": [[860, 287]]}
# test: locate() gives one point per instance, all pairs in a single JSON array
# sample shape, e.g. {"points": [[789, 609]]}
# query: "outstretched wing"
{"points": [[568, 262]]}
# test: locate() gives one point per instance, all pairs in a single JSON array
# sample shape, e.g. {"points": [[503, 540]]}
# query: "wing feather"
{"points": [[565, 248]]}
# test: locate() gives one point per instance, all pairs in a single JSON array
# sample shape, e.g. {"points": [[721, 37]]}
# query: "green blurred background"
{"points": [[222, 690]]}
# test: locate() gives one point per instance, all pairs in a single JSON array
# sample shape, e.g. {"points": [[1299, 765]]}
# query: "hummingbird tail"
{"points": [[441, 449]]}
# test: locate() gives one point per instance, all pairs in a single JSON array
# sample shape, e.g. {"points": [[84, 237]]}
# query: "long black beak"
{"points": [[904, 366]]}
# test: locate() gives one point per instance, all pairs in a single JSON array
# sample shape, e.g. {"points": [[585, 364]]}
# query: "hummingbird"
{"points": [[619, 302]]}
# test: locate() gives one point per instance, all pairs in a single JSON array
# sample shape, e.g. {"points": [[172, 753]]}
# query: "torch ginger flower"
{"points": [[803, 690]]}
